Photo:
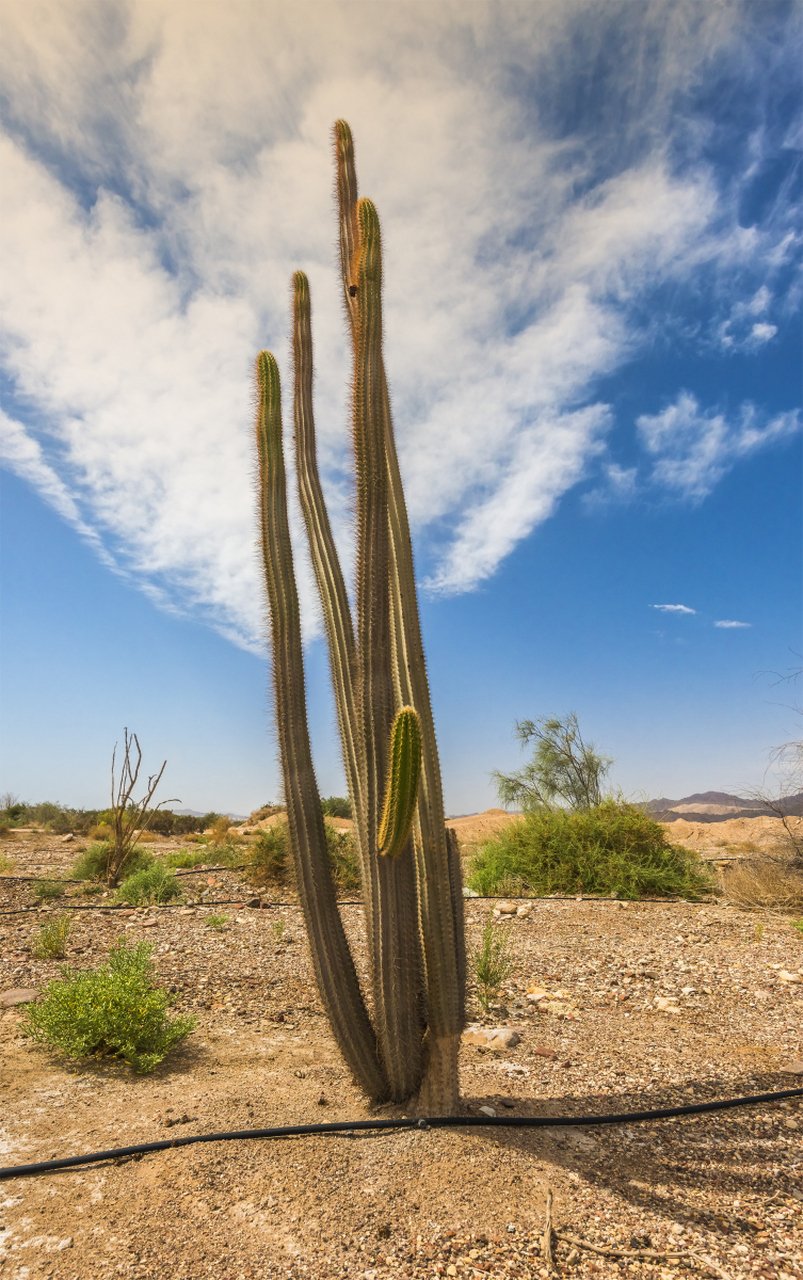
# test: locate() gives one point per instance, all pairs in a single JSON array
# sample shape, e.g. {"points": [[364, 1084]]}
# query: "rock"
{"points": [[793, 1068], [66, 839], [22, 995], [785, 976], [487, 1111], [523, 909], [491, 1037], [666, 1004], [505, 909], [507, 1102], [543, 1052]]}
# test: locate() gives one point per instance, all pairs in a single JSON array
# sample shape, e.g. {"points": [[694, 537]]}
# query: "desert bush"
{"points": [[768, 883], [491, 962], [613, 848], [93, 864], [44, 890], [50, 941], [336, 807], [6, 865], [114, 1010], [218, 923], [186, 858], [152, 885], [101, 831], [268, 860], [5, 832], [219, 830]]}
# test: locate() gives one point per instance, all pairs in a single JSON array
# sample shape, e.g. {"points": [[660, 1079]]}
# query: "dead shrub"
{"points": [[767, 883]]}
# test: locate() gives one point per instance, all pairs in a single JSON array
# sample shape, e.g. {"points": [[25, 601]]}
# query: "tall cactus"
{"points": [[409, 862]]}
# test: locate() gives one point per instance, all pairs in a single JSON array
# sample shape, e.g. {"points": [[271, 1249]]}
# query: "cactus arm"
{"points": [[334, 967], [401, 795], [346, 187], [323, 553]]}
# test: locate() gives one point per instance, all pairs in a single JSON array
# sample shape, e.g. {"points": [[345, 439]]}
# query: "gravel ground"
{"points": [[619, 1007]]}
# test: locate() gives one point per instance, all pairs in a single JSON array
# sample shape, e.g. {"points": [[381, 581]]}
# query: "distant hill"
{"points": [[201, 813], [718, 806]]}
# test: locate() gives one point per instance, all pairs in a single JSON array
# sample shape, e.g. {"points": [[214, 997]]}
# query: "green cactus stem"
{"points": [[401, 796]]}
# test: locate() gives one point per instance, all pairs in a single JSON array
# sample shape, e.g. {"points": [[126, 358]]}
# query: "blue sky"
{"points": [[592, 263]]}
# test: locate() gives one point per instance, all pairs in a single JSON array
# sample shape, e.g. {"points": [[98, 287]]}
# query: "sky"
{"points": [[591, 237]]}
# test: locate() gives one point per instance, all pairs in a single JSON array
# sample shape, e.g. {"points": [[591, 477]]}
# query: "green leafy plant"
{"points": [[407, 1048], [797, 924], [6, 864], [491, 962], [277, 929], [336, 806], [93, 862], [45, 890], [51, 939], [267, 861], [218, 923], [611, 849], [152, 885], [186, 858], [564, 772], [115, 1010]]}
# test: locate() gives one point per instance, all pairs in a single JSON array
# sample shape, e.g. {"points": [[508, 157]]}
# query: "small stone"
{"points": [[66, 839], [511, 1228], [785, 976], [793, 1068], [511, 1102], [542, 1051], [22, 995], [523, 910], [791, 1124], [487, 1111]]}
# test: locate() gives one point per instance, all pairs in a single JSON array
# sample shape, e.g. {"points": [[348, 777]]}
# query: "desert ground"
{"points": [[617, 1007]]}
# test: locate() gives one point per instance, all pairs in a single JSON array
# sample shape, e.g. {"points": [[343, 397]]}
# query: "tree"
{"points": [[406, 1048], [564, 773], [784, 796]]}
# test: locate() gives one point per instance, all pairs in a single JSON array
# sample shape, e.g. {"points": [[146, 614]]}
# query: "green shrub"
{"points": [[151, 885], [44, 890], [185, 858], [491, 962], [268, 860], [613, 848], [6, 865], [112, 1010], [343, 858], [50, 941], [94, 862], [336, 807], [218, 923]]}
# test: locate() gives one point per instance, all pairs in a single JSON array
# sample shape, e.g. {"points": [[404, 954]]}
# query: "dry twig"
{"points": [[549, 1235], [635, 1253]]}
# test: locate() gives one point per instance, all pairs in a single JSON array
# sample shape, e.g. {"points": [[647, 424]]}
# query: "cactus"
{"points": [[409, 862]]}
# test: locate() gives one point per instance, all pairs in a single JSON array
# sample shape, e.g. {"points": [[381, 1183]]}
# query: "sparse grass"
{"points": [[491, 962], [218, 923], [612, 849], [93, 863], [6, 864], [114, 1009], [152, 885], [797, 924], [767, 883], [51, 939], [277, 929], [45, 890]]}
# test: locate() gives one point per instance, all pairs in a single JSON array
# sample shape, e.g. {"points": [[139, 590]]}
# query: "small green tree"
{"points": [[564, 773]]}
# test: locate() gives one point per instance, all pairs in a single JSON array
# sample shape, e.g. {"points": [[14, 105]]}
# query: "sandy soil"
{"points": [[659, 1004]]}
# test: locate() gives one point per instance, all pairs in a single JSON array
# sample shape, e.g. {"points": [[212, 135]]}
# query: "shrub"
{"points": [[268, 860], [218, 923], [50, 941], [94, 862], [101, 831], [491, 962], [114, 1010], [6, 865], [769, 883], [186, 858], [44, 890], [151, 885], [613, 848], [336, 806], [219, 832]]}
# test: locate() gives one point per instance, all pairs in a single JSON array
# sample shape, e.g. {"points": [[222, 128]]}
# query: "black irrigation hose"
{"points": [[434, 1122]]}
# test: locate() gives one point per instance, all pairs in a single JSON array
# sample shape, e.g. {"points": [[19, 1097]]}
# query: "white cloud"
{"points": [[729, 623], [694, 448], [167, 167], [673, 608]]}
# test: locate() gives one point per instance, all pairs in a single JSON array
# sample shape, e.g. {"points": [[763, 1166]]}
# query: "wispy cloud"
{"points": [[729, 622], [673, 608], [165, 175], [694, 448]]}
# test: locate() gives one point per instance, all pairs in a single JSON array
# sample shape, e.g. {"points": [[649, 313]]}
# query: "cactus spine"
{"points": [[409, 864]]}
